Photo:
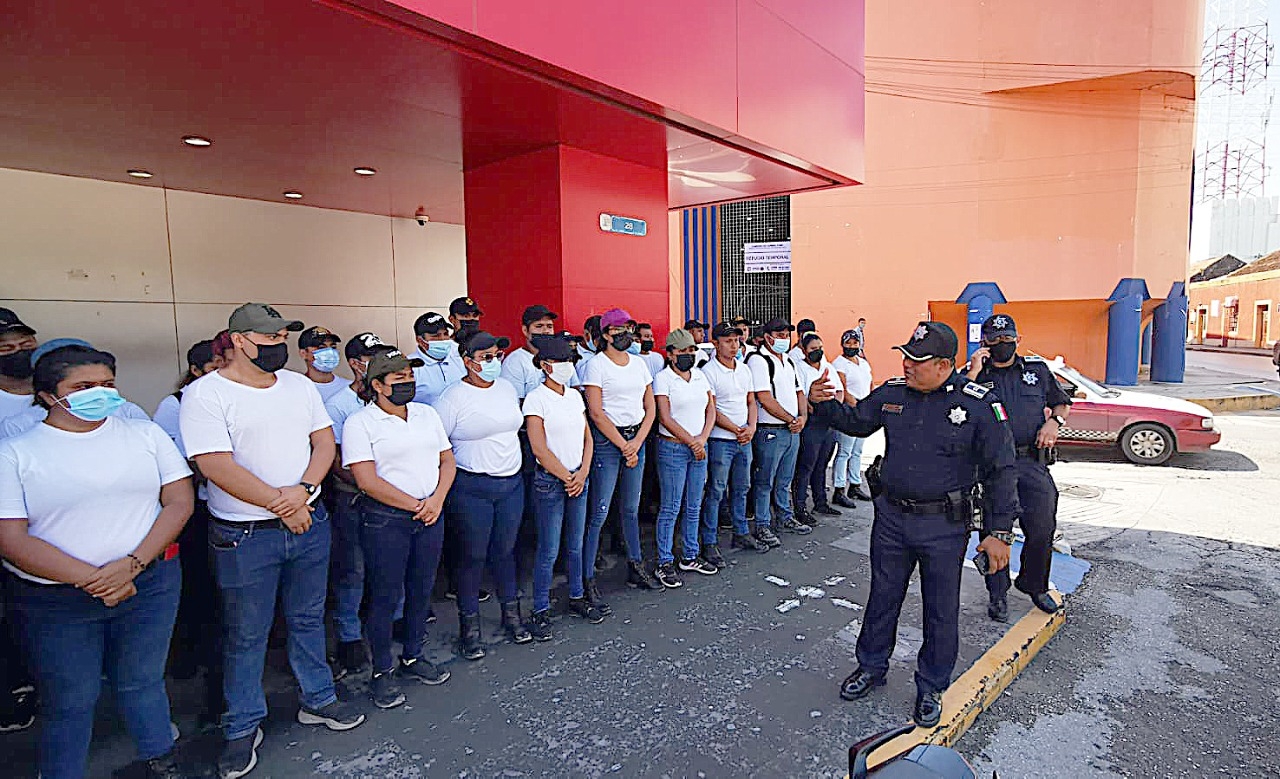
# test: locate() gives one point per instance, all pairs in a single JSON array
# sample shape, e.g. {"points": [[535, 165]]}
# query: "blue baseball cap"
{"points": [[57, 343]]}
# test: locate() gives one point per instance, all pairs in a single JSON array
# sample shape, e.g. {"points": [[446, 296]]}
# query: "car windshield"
{"points": [[1080, 380]]}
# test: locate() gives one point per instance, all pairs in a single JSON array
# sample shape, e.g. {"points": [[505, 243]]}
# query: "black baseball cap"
{"points": [[724, 329], [386, 361], [200, 354], [482, 340], [315, 336], [536, 313], [740, 320], [692, 323], [361, 345], [998, 326], [9, 322], [260, 318], [806, 326], [464, 307], [776, 325], [930, 340], [553, 347], [430, 322]]}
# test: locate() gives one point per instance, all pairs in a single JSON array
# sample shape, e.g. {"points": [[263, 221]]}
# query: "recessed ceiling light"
{"points": [[293, 195], [139, 173], [196, 140], [365, 170]]}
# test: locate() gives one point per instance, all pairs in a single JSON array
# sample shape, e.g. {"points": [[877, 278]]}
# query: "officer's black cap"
{"points": [[553, 347], [724, 330], [931, 340], [482, 340], [999, 326], [536, 314], [778, 325]]}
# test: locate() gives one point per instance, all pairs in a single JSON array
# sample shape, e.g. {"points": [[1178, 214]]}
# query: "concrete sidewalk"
{"points": [[1217, 390]]}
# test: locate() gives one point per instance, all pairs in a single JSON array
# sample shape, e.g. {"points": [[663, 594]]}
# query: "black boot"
{"points": [[842, 499], [469, 644], [513, 624]]}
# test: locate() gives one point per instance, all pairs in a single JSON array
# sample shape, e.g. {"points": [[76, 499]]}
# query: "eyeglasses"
{"points": [[484, 357]]}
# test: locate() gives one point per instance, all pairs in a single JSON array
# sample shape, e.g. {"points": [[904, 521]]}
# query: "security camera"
{"points": [[421, 216]]}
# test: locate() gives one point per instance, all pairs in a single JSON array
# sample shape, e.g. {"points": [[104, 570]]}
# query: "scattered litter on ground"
{"points": [[815, 714], [788, 605], [811, 592], [845, 604], [777, 580], [800, 637], [832, 581]]}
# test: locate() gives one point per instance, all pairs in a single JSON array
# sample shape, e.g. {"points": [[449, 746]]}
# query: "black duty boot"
{"points": [[859, 492], [859, 684], [826, 510], [513, 624], [928, 710], [469, 644], [998, 608]]}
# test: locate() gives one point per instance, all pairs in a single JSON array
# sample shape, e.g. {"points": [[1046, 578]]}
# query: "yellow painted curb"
{"points": [[978, 687], [1238, 403]]}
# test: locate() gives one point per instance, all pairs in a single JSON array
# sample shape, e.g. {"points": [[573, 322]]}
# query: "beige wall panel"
{"points": [[140, 335], [229, 250], [406, 316], [431, 264], [68, 238]]}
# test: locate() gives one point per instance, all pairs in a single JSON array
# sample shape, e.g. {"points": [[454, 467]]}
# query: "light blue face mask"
{"points": [[490, 371], [325, 360], [779, 345], [438, 350], [634, 348], [93, 404]]}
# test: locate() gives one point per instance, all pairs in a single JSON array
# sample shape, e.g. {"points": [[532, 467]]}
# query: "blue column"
{"points": [[981, 297], [1169, 337], [1124, 331]]}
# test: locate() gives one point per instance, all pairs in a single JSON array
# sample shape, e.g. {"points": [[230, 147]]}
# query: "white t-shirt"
{"points": [[622, 387], [655, 361], [341, 405], [564, 417], [330, 388], [167, 418], [23, 421], [784, 378], [689, 399], [267, 431], [93, 495], [808, 374], [11, 404], [730, 386], [405, 453], [857, 378], [518, 369], [482, 425]]}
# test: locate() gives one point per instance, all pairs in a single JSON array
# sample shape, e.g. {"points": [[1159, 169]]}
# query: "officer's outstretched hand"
{"points": [[820, 390], [997, 553]]}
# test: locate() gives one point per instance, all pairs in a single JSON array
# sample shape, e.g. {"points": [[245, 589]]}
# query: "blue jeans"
{"points": [[253, 567], [848, 466], [402, 555], [487, 512], [562, 520], [728, 467], [679, 474], [74, 640], [346, 577], [776, 449], [609, 471]]}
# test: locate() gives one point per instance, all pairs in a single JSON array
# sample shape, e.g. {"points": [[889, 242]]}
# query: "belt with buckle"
{"points": [[920, 506], [275, 523]]}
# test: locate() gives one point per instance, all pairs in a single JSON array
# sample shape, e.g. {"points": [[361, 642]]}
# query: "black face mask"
{"points": [[17, 365], [622, 341], [1002, 352], [271, 357], [852, 351], [646, 345], [814, 356], [684, 362], [466, 329], [402, 392]]}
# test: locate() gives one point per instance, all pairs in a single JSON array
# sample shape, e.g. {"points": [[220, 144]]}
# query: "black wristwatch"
{"points": [[310, 488], [1061, 420], [1002, 535]]}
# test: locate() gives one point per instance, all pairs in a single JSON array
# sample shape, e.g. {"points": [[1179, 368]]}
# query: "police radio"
{"points": [[978, 507]]}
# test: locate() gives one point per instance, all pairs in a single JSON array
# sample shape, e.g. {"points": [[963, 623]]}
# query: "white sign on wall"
{"points": [[1213, 308], [771, 257]]}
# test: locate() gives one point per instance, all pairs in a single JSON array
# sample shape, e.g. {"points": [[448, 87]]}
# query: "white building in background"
{"points": [[1248, 228]]}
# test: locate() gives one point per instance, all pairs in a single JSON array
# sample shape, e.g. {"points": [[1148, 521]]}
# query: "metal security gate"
{"points": [[755, 296]]}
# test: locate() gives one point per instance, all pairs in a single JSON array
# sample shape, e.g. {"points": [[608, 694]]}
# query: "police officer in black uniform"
{"points": [[943, 434], [1030, 393]]}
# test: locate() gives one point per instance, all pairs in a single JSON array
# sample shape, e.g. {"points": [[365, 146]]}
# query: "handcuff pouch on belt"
{"points": [[874, 483], [970, 508]]}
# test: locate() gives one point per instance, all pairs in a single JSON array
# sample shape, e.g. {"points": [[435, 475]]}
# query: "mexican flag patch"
{"points": [[1001, 414]]}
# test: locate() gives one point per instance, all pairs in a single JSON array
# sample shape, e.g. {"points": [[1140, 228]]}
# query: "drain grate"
{"points": [[1082, 491]]}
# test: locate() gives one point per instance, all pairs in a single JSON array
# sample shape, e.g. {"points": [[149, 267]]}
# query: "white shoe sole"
{"points": [[307, 718]]}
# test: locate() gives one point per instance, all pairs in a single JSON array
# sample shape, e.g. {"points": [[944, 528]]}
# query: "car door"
{"points": [[1090, 419]]}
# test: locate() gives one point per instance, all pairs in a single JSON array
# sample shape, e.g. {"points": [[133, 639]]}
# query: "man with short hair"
{"points": [[464, 316], [17, 343], [655, 360], [518, 366], [729, 447], [442, 364], [782, 416], [318, 347], [261, 436]]}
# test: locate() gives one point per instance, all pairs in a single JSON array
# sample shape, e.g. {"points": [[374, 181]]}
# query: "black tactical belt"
{"points": [[921, 506]]}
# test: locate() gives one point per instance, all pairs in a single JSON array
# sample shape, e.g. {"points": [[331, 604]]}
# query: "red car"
{"points": [[1149, 429]]}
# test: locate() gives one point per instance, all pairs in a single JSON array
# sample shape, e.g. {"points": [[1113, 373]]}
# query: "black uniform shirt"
{"points": [[937, 442], [1026, 387]]}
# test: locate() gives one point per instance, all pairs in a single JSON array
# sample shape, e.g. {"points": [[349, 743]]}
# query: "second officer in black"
{"points": [[943, 434], [1037, 409]]}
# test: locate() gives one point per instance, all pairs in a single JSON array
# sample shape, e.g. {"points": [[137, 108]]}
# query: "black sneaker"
{"points": [[698, 565], [792, 526], [239, 756], [352, 656], [766, 536], [666, 574], [585, 609], [807, 519], [164, 767], [386, 693], [422, 670], [827, 510], [451, 594], [711, 553], [592, 596], [747, 541], [539, 625], [18, 710], [335, 716], [640, 578]]}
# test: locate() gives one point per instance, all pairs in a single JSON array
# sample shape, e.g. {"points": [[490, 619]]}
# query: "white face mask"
{"points": [[562, 373]]}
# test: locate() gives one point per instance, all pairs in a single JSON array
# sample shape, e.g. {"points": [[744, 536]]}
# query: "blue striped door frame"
{"points": [[700, 234]]}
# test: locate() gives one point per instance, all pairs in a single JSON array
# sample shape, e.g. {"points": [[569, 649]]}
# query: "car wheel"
{"points": [[1147, 444]]}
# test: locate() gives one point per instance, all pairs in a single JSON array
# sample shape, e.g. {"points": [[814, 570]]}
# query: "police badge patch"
{"points": [[957, 416], [1030, 378]]}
